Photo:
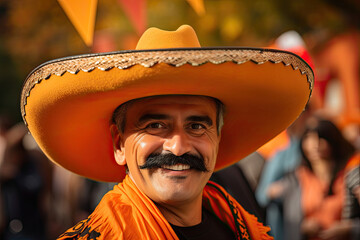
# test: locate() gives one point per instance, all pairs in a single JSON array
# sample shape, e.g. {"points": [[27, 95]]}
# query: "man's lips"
{"points": [[176, 167]]}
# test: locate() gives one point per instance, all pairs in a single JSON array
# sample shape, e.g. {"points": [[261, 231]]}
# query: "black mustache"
{"points": [[157, 160]]}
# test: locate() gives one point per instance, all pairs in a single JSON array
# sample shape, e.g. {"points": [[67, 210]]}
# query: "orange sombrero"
{"points": [[67, 103]]}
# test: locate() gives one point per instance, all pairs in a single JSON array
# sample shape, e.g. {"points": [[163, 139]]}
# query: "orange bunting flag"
{"points": [[136, 12], [198, 6], [82, 14]]}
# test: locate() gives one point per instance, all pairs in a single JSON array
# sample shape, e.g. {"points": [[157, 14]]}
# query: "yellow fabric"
{"points": [[126, 213], [154, 38], [82, 14], [198, 6]]}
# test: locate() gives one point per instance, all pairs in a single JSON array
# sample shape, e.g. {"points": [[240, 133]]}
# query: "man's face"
{"points": [[166, 125]]}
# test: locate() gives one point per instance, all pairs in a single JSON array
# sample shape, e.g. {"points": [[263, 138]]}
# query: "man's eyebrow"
{"points": [[204, 119], [147, 117]]}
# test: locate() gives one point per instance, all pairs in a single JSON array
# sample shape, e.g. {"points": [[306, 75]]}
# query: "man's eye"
{"points": [[155, 125], [197, 126]]}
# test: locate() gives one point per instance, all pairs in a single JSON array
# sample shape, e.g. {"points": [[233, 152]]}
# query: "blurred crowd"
{"points": [[39, 200], [309, 189], [305, 183]]}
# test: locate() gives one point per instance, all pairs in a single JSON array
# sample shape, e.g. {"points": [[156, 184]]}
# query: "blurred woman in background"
{"points": [[313, 195]]}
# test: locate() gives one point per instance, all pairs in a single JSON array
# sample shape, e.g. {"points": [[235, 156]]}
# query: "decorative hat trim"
{"points": [[149, 58]]}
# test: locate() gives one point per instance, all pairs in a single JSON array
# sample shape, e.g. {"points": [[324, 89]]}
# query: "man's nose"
{"points": [[178, 143]]}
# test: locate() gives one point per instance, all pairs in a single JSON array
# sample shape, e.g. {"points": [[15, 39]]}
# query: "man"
{"points": [[152, 119]]}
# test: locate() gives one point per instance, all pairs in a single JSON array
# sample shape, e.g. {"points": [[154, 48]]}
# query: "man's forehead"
{"points": [[172, 102], [200, 105], [174, 98], [168, 104]]}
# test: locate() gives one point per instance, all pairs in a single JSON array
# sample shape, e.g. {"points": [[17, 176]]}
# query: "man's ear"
{"points": [[118, 145]]}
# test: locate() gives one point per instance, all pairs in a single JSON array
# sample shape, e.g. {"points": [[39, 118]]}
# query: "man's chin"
{"points": [[174, 182], [175, 194]]}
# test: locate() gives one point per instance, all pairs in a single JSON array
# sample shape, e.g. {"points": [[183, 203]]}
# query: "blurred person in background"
{"points": [[349, 226], [312, 196], [5, 125], [283, 162], [23, 211]]}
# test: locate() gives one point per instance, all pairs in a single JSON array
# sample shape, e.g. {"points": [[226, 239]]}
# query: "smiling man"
{"points": [[168, 144], [160, 120]]}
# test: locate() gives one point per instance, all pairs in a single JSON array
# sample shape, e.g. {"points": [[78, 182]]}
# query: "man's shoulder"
{"points": [[110, 214], [230, 212], [82, 230]]}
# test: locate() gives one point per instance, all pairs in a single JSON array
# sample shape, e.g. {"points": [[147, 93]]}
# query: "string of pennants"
{"points": [[82, 14]]}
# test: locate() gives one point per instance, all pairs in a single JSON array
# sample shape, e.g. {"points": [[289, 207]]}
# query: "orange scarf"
{"points": [[127, 213]]}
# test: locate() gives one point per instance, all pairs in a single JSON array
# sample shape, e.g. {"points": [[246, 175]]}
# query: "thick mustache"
{"points": [[157, 160]]}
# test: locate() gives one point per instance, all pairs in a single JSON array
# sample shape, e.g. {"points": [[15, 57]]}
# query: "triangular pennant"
{"points": [[82, 14], [198, 6], [136, 12]]}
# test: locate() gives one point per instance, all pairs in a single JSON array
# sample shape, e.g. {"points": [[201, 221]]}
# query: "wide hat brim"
{"points": [[67, 104]]}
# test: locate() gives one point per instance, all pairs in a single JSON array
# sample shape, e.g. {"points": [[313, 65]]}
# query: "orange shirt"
{"points": [[316, 203], [127, 213]]}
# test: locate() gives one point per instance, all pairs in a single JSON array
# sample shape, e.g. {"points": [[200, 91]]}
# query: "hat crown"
{"points": [[154, 38]]}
